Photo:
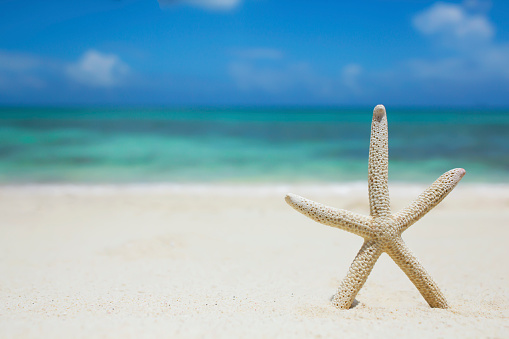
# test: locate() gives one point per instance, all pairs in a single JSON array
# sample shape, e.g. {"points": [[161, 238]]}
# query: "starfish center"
{"points": [[384, 229]]}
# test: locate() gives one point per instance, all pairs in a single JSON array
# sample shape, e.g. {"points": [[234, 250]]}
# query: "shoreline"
{"points": [[340, 188]]}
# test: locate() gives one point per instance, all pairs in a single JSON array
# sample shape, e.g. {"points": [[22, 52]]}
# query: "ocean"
{"points": [[246, 145]]}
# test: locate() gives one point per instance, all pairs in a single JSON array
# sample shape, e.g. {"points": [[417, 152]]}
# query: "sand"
{"points": [[196, 261]]}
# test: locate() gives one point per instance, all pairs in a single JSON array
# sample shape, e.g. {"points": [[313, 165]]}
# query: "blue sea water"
{"points": [[141, 145]]}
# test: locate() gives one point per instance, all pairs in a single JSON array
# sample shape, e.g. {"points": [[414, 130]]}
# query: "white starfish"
{"points": [[382, 230]]}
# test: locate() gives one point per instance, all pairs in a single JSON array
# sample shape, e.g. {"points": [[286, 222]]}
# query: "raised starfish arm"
{"points": [[345, 220], [428, 199], [405, 259], [378, 169], [357, 274]]}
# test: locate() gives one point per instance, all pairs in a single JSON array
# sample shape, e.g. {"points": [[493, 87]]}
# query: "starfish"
{"points": [[382, 229]]}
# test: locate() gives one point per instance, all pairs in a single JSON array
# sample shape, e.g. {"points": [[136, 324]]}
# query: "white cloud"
{"points": [[453, 23], [206, 4], [98, 70], [470, 62], [19, 71]]}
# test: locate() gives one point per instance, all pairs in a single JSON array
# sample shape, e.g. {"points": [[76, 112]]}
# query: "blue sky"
{"points": [[254, 52]]}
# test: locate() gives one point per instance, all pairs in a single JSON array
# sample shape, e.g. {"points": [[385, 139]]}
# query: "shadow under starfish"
{"points": [[382, 230]]}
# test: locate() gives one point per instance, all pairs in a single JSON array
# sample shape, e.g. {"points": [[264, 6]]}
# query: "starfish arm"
{"points": [[345, 220], [407, 261], [428, 199], [378, 169], [357, 274]]}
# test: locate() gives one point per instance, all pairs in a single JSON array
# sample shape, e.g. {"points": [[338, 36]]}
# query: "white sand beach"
{"points": [[216, 261]]}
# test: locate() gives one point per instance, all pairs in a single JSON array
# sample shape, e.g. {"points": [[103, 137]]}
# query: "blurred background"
{"points": [[235, 91]]}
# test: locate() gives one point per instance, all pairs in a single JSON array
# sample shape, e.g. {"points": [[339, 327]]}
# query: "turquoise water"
{"points": [[96, 145]]}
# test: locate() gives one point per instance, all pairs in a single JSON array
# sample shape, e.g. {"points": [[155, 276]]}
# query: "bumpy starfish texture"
{"points": [[382, 230]]}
